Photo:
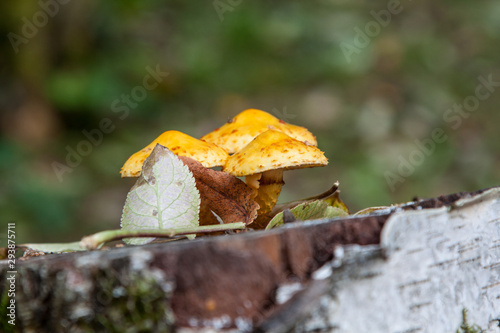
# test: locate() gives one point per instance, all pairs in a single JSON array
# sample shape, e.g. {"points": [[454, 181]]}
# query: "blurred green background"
{"points": [[366, 109]]}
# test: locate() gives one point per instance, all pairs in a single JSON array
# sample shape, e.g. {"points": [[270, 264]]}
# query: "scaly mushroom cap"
{"points": [[208, 154], [244, 127], [273, 150]]}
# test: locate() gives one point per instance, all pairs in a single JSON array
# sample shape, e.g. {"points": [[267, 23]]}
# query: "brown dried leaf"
{"points": [[225, 195]]}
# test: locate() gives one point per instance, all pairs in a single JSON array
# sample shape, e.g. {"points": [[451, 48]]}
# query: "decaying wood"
{"points": [[267, 280]]}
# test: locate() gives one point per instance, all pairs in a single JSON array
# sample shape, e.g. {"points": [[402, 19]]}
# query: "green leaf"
{"points": [[332, 197], [164, 197], [308, 211], [55, 247]]}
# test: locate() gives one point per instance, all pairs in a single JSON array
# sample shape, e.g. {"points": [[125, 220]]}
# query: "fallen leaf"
{"points": [[366, 211], [165, 196], [308, 211], [331, 196], [225, 195]]}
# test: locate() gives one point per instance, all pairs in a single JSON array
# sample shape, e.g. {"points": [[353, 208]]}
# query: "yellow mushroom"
{"points": [[244, 127], [265, 158], [208, 154]]}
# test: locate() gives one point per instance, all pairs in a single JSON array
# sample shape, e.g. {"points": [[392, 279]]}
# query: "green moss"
{"points": [[134, 303], [109, 298], [465, 327]]}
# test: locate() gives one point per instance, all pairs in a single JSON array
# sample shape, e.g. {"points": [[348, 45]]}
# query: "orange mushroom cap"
{"points": [[244, 127], [273, 150], [208, 154]]}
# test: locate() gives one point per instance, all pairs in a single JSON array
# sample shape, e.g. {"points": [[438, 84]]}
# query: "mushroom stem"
{"points": [[253, 181], [270, 184]]}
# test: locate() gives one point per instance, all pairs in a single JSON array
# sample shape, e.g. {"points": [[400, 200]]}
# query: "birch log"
{"points": [[431, 266], [410, 268]]}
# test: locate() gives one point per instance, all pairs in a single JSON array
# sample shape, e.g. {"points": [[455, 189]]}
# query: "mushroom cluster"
{"points": [[253, 144]]}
